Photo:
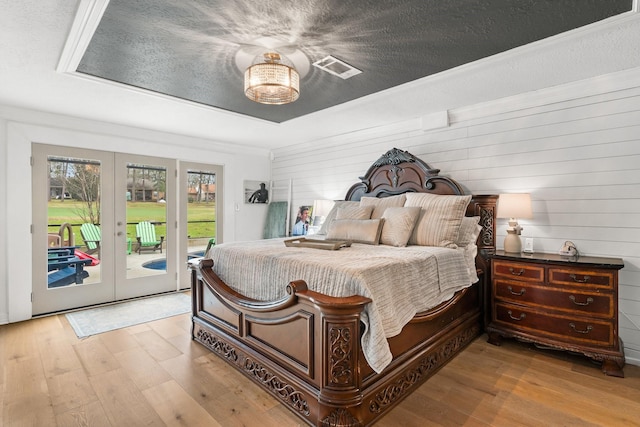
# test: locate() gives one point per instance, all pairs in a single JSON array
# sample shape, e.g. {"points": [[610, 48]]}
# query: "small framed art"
{"points": [[256, 192]]}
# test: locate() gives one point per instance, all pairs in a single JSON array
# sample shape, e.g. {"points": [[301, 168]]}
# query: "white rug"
{"points": [[102, 319]]}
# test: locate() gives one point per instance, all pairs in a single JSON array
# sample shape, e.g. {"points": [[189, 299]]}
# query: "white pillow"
{"points": [[398, 225], [332, 214], [440, 218], [380, 204], [469, 231], [356, 230]]}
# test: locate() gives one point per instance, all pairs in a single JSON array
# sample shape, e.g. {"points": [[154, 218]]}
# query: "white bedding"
{"points": [[401, 281]]}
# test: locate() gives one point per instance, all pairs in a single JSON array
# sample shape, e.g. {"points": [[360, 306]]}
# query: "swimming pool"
{"points": [[161, 264]]}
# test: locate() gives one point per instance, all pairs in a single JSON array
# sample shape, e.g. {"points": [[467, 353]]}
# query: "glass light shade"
{"points": [[271, 82], [514, 205]]}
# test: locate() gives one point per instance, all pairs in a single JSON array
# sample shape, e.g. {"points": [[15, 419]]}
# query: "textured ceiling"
{"points": [[198, 50]]}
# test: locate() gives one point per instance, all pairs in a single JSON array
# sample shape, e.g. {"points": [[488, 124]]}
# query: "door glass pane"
{"points": [[146, 201], [201, 211], [73, 221]]}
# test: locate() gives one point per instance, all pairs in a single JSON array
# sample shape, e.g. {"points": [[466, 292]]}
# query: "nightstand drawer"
{"points": [[570, 301], [518, 271], [578, 330], [579, 277]]}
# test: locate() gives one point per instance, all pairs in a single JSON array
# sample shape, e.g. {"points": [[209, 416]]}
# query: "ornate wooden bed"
{"points": [[305, 349]]}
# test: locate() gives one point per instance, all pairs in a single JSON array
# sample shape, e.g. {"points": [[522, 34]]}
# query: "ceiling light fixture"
{"points": [[271, 82]]}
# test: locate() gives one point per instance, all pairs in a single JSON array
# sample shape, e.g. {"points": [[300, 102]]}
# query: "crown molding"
{"points": [[85, 23]]}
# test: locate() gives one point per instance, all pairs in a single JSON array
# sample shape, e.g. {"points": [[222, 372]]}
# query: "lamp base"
{"points": [[512, 242]]}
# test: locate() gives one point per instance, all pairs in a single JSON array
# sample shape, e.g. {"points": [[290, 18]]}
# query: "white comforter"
{"points": [[400, 281]]}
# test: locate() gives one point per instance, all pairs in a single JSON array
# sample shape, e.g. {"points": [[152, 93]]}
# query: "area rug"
{"points": [[107, 318]]}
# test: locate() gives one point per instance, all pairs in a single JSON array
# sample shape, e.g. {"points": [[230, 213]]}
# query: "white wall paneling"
{"points": [[4, 317], [576, 149]]}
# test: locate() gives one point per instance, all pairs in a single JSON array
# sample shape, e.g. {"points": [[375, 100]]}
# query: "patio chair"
{"points": [[65, 268], [92, 236], [146, 236], [56, 255], [211, 243]]}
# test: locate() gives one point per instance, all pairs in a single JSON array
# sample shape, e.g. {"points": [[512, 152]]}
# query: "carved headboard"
{"points": [[398, 171]]}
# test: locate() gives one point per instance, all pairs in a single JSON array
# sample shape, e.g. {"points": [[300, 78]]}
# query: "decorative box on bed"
{"points": [[305, 347]]}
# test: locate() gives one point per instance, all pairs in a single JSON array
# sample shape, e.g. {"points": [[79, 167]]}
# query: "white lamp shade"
{"points": [[321, 209], [514, 205]]}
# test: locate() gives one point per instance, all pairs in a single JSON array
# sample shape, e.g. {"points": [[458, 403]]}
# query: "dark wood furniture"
{"points": [[305, 349], [565, 303]]}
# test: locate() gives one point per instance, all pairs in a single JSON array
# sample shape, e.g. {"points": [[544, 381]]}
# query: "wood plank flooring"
{"points": [[154, 375]]}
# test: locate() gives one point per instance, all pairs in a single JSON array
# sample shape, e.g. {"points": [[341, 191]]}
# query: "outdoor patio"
{"points": [[136, 262]]}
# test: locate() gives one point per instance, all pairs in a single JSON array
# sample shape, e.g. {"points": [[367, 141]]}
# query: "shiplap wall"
{"points": [[576, 149]]}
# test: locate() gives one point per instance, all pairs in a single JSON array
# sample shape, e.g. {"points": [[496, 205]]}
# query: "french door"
{"points": [[201, 194], [89, 208]]}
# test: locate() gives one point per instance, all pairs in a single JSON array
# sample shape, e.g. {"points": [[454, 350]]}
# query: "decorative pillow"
{"points": [[398, 225], [440, 218], [469, 231], [470, 252], [382, 203], [354, 212], [357, 230], [331, 216]]}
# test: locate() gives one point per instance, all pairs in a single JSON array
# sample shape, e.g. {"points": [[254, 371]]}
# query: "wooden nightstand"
{"points": [[558, 302]]}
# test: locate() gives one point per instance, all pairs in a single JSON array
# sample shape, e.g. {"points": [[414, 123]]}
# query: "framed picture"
{"points": [[302, 221], [256, 192]]}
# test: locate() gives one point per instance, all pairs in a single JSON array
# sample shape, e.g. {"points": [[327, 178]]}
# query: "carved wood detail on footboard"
{"points": [[331, 391], [311, 380]]}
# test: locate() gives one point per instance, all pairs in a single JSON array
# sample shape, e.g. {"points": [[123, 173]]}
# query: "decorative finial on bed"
{"points": [[394, 156]]}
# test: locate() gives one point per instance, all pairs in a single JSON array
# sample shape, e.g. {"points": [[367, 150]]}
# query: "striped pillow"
{"points": [[440, 218], [356, 230], [398, 225], [354, 212], [469, 231], [382, 203]]}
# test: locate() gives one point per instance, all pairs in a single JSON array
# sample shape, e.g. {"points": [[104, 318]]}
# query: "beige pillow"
{"points": [[398, 225], [440, 218], [356, 230], [382, 203], [354, 212], [331, 216], [469, 231]]}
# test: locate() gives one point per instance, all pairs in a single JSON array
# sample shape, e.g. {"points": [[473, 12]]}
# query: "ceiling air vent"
{"points": [[336, 67]]}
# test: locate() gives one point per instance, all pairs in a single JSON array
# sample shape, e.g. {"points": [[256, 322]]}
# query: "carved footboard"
{"points": [[305, 349]]}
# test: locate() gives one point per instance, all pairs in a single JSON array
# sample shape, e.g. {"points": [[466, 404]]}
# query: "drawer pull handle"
{"points": [[522, 291], [575, 279], [516, 273], [522, 316], [573, 299], [586, 331]]}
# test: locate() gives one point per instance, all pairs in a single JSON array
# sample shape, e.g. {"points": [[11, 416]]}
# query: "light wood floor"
{"points": [[154, 375]]}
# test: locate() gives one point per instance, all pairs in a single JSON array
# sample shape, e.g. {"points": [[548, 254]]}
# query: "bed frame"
{"points": [[305, 349]]}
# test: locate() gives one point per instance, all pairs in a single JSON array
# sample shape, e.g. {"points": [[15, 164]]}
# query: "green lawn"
{"points": [[68, 212]]}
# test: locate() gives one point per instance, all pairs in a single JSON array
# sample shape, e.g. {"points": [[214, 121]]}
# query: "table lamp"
{"points": [[321, 209], [513, 206]]}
